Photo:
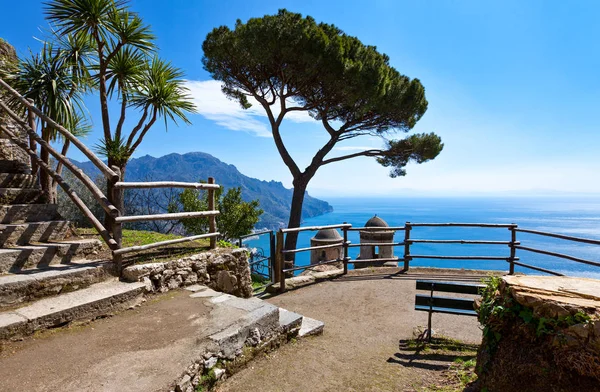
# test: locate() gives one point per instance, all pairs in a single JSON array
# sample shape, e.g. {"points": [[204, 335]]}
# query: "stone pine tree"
{"points": [[125, 70], [289, 63]]}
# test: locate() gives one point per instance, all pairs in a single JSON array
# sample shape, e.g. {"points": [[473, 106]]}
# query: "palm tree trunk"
{"points": [[45, 179], [59, 169]]}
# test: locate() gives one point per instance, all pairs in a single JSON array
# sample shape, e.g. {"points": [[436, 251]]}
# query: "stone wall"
{"points": [[541, 334], [224, 270]]}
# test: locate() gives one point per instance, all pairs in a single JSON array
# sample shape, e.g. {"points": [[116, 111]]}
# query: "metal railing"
{"points": [[513, 245], [261, 264], [113, 237]]}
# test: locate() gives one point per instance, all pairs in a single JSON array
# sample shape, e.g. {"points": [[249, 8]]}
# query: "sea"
{"points": [[577, 216]]}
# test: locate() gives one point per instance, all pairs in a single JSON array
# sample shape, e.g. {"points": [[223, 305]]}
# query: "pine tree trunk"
{"points": [[291, 239]]}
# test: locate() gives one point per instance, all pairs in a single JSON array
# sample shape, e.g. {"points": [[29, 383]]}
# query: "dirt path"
{"points": [[367, 322]]}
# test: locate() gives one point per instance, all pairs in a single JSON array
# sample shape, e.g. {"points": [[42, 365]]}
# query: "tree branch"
{"points": [[122, 117], [137, 127], [144, 131], [367, 153]]}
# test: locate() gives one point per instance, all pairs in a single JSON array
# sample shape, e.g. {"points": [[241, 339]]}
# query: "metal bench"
{"points": [[431, 304]]}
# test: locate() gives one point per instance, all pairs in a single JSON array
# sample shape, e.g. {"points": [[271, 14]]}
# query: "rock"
{"points": [[579, 330], [135, 272], [226, 282], [219, 373], [210, 363], [254, 338], [149, 287], [183, 384], [174, 282]]}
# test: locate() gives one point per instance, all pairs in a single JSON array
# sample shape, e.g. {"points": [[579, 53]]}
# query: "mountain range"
{"points": [[274, 198]]}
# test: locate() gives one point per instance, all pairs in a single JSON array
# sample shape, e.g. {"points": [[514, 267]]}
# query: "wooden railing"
{"points": [[113, 237], [281, 269]]}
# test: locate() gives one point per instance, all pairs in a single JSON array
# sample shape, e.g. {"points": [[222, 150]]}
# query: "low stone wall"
{"points": [[541, 334], [224, 270]]}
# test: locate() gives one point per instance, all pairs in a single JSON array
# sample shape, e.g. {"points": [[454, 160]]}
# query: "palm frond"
{"points": [[163, 89]]}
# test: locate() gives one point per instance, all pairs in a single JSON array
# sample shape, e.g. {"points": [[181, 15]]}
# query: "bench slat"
{"points": [[447, 310], [445, 302], [449, 287]]}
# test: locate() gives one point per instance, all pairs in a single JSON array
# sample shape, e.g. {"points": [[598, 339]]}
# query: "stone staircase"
{"points": [[32, 233], [39, 256]]}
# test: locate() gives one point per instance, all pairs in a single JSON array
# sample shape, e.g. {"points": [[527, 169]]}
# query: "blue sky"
{"points": [[513, 90]]}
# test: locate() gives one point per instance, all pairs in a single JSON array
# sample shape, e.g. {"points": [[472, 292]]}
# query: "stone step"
{"points": [[289, 322], [310, 327], [98, 300], [27, 233], [17, 180], [22, 196], [24, 213], [27, 286], [173, 344], [12, 166], [45, 254]]}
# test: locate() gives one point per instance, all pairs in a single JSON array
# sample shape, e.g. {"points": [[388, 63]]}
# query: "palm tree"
{"points": [[123, 68], [54, 81]]}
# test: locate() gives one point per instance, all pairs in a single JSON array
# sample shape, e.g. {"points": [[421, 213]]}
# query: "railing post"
{"points": [[117, 228], [407, 228], [212, 223], [513, 240], [32, 144], [272, 252], [346, 258], [279, 264]]}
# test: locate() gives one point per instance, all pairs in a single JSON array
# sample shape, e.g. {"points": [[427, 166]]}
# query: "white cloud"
{"points": [[215, 106]]}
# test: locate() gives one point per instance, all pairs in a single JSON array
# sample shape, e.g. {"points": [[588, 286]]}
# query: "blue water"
{"points": [[579, 216]]}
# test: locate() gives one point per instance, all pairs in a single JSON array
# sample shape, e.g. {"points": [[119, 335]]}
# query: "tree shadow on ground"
{"points": [[435, 355]]}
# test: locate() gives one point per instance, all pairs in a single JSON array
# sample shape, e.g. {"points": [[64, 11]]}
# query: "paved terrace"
{"points": [[367, 317]]}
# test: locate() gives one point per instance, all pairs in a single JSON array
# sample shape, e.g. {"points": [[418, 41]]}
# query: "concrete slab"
{"points": [[206, 293], [195, 288], [310, 327], [289, 321], [97, 300], [221, 298]]}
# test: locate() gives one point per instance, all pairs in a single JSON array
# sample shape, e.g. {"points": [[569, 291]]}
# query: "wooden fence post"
{"points": [[32, 144], [117, 229], [212, 220], [346, 258], [513, 240], [407, 228]]}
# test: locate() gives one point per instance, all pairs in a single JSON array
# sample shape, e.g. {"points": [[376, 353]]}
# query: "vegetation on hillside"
{"points": [[274, 198], [236, 217]]}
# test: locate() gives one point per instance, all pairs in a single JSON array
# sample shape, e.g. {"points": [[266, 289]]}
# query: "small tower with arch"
{"points": [[327, 237], [369, 240]]}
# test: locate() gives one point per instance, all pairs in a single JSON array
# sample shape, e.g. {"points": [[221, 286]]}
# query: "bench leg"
{"points": [[429, 327]]}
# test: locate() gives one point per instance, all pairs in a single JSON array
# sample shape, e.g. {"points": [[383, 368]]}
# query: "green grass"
{"points": [[258, 281], [165, 253]]}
